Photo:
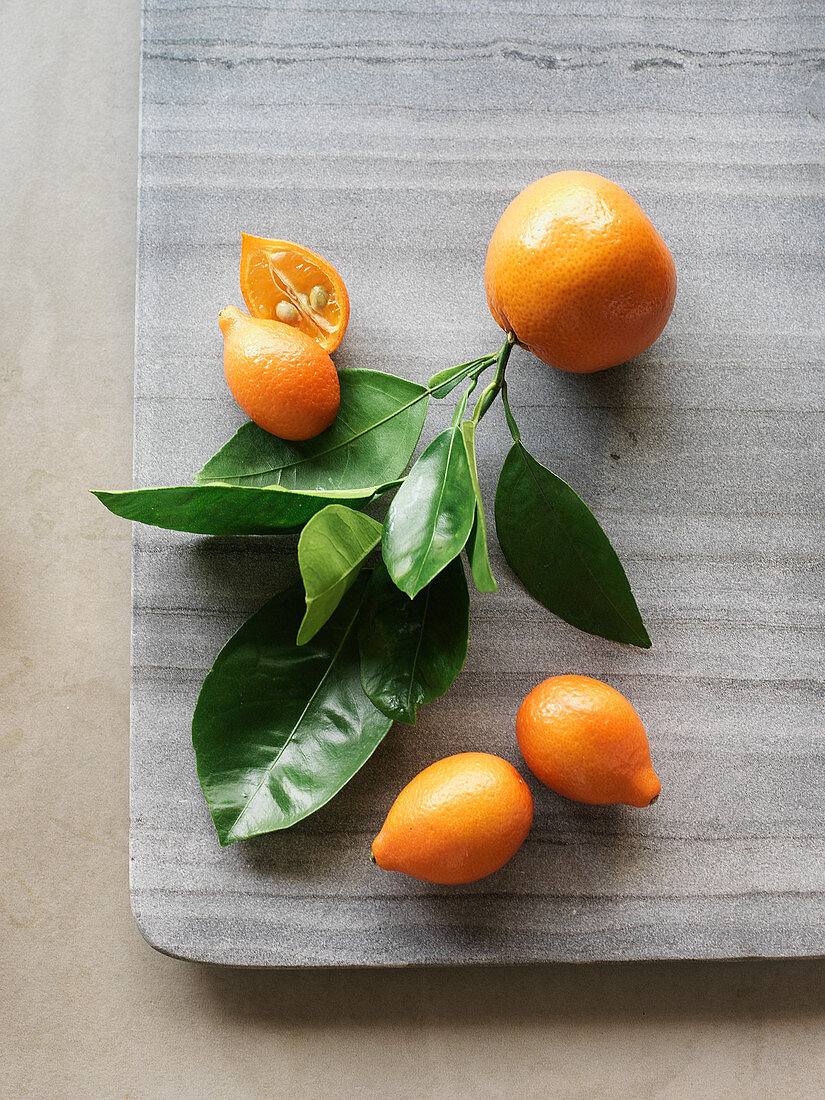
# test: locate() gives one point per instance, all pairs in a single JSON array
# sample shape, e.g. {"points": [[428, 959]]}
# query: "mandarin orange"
{"points": [[585, 741], [578, 273], [459, 820], [279, 376]]}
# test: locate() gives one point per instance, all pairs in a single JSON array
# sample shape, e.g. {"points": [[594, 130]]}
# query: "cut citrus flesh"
{"points": [[283, 281]]}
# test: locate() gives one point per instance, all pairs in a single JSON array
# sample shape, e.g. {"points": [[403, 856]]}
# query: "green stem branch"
{"points": [[489, 394], [461, 407], [511, 420]]}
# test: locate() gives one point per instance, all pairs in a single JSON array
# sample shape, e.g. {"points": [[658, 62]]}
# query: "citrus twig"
{"points": [[488, 395], [461, 407], [511, 420]]}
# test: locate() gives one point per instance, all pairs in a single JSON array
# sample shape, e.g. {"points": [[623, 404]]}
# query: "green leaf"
{"points": [[331, 550], [430, 517], [477, 552], [279, 729], [559, 552], [412, 650], [228, 509], [445, 381], [370, 442]]}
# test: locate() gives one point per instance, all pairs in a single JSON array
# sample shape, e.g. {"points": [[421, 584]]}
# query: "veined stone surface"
{"points": [[390, 137]]}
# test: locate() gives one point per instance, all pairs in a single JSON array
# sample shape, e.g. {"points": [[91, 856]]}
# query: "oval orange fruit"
{"points": [[584, 740], [578, 273], [457, 821], [283, 281], [279, 376]]}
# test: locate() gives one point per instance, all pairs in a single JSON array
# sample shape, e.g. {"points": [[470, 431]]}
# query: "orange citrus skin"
{"points": [[585, 741], [459, 820], [577, 271], [278, 275], [279, 376]]}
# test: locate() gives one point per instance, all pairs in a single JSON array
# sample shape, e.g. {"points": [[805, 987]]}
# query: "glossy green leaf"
{"points": [[228, 509], [477, 551], [430, 517], [559, 552], [370, 442], [445, 381], [331, 550], [279, 729], [412, 650]]}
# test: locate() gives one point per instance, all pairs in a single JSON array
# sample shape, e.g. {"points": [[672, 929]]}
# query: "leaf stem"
{"points": [[489, 394], [461, 407], [508, 412]]}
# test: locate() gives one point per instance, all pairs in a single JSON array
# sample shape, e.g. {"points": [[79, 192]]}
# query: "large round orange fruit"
{"points": [[578, 273]]}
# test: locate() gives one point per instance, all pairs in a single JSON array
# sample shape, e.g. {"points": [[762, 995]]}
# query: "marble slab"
{"points": [[389, 135]]}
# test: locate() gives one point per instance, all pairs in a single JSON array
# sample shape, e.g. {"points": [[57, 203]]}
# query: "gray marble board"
{"points": [[389, 136]]}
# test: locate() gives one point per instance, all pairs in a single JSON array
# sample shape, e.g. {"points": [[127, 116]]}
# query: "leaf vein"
{"points": [[296, 725], [442, 489], [418, 651]]}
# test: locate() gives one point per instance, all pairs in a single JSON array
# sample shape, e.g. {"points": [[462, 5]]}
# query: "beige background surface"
{"points": [[87, 1008]]}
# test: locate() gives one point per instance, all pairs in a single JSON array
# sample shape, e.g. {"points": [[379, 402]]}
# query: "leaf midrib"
{"points": [[453, 432], [356, 565], [469, 441], [428, 591], [295, 727], [344, 443]]}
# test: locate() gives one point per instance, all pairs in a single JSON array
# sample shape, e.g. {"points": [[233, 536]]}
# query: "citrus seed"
{"points": [[318, 298], [286, 312]]}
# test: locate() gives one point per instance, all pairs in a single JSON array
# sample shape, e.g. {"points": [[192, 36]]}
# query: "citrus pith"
{"points": [[284, 281]]}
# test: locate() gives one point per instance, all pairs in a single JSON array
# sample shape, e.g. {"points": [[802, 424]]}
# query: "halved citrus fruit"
{"points": [[283, 281]]}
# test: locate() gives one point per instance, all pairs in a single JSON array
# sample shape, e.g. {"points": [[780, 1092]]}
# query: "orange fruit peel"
{"points": [[280, 377], [578, 273], [457, 821], [283, 281], [585, 741]]}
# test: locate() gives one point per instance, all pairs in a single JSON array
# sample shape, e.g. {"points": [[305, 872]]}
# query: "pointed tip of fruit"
{"points": [[648, 788], [227, 317], [376, 849]]}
